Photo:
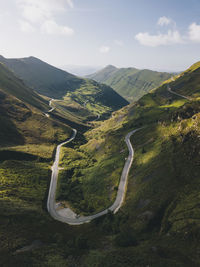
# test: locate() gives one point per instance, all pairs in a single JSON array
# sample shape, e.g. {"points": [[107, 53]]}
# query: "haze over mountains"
{"points": [[131, 83], [80, 70]]}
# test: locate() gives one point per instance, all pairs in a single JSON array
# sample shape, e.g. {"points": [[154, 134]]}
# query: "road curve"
{"points": [[67, 215], [172, 92], [50, 110], [50, 104]]}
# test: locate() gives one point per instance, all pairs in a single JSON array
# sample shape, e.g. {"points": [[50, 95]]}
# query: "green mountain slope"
{"points": [[22, 114], [159, 223], [131, 83], [55, 83], [104, 74], [42, 77], [15, 87]]}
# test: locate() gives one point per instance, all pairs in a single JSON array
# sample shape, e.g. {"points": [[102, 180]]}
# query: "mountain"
{"points": [[40, 76], [159, 224], [55, 83], [104, 74], [159, 221], [16, 87], [131, 83], [22, 114]]}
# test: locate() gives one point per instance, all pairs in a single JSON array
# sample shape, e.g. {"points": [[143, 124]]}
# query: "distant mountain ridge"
{"points": [[131, 83], [55, 83], [42, 77]]}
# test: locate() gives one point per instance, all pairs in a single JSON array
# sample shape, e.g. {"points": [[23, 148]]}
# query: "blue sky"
{"points": [[155, 34]]}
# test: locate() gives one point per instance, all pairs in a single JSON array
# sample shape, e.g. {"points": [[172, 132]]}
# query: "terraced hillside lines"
{"points": [[131, 83], [67, 215]]}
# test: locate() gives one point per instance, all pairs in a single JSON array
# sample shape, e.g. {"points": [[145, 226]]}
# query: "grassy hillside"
{"points": [[55, 83], [103, 74], [159, 225], [22, 114], [130, 83], [44, 78], [12, 85]]}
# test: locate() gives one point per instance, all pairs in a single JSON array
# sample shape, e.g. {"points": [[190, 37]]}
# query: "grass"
{"points": [[161, 211], [89, 181], [40, 150], [98, 98], [55, 83], [24, 218], [159, 223], [131, 83]]}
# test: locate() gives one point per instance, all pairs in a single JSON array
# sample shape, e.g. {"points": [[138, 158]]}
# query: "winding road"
{"points": [[66, 215], [50, 110], [50, 104], [172, 92]]}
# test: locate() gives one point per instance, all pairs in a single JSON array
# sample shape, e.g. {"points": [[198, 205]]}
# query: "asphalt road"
{"points": [[67, 215], [50, 110], [50, 104], [172, 92]]}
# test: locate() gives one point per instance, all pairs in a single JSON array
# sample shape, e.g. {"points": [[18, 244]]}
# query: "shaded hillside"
{"points": [[22, 114], [16, 87], [55, 83], [131, 83], [42, 77]]}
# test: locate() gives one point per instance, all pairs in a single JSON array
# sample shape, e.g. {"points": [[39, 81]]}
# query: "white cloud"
{"points": [[26, 27], [41, 13], [51, 27], [194, 32], [162, 21], [70, 3], [119, 42], [171, 37], [104, 49]]}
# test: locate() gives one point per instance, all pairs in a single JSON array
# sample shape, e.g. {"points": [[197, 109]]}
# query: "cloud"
{"points": [[26, 27], [119, 42], [41, 14], [104, 49], [51, 27], [70, 3], [162, 21], [170, 38], [194, 32]]}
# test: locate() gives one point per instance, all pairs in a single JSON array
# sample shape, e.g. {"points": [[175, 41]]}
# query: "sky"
{"points": [[155, 34]]}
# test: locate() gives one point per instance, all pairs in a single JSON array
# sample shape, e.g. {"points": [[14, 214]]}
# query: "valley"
{"points": [[143, 208], [99, 133]]}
